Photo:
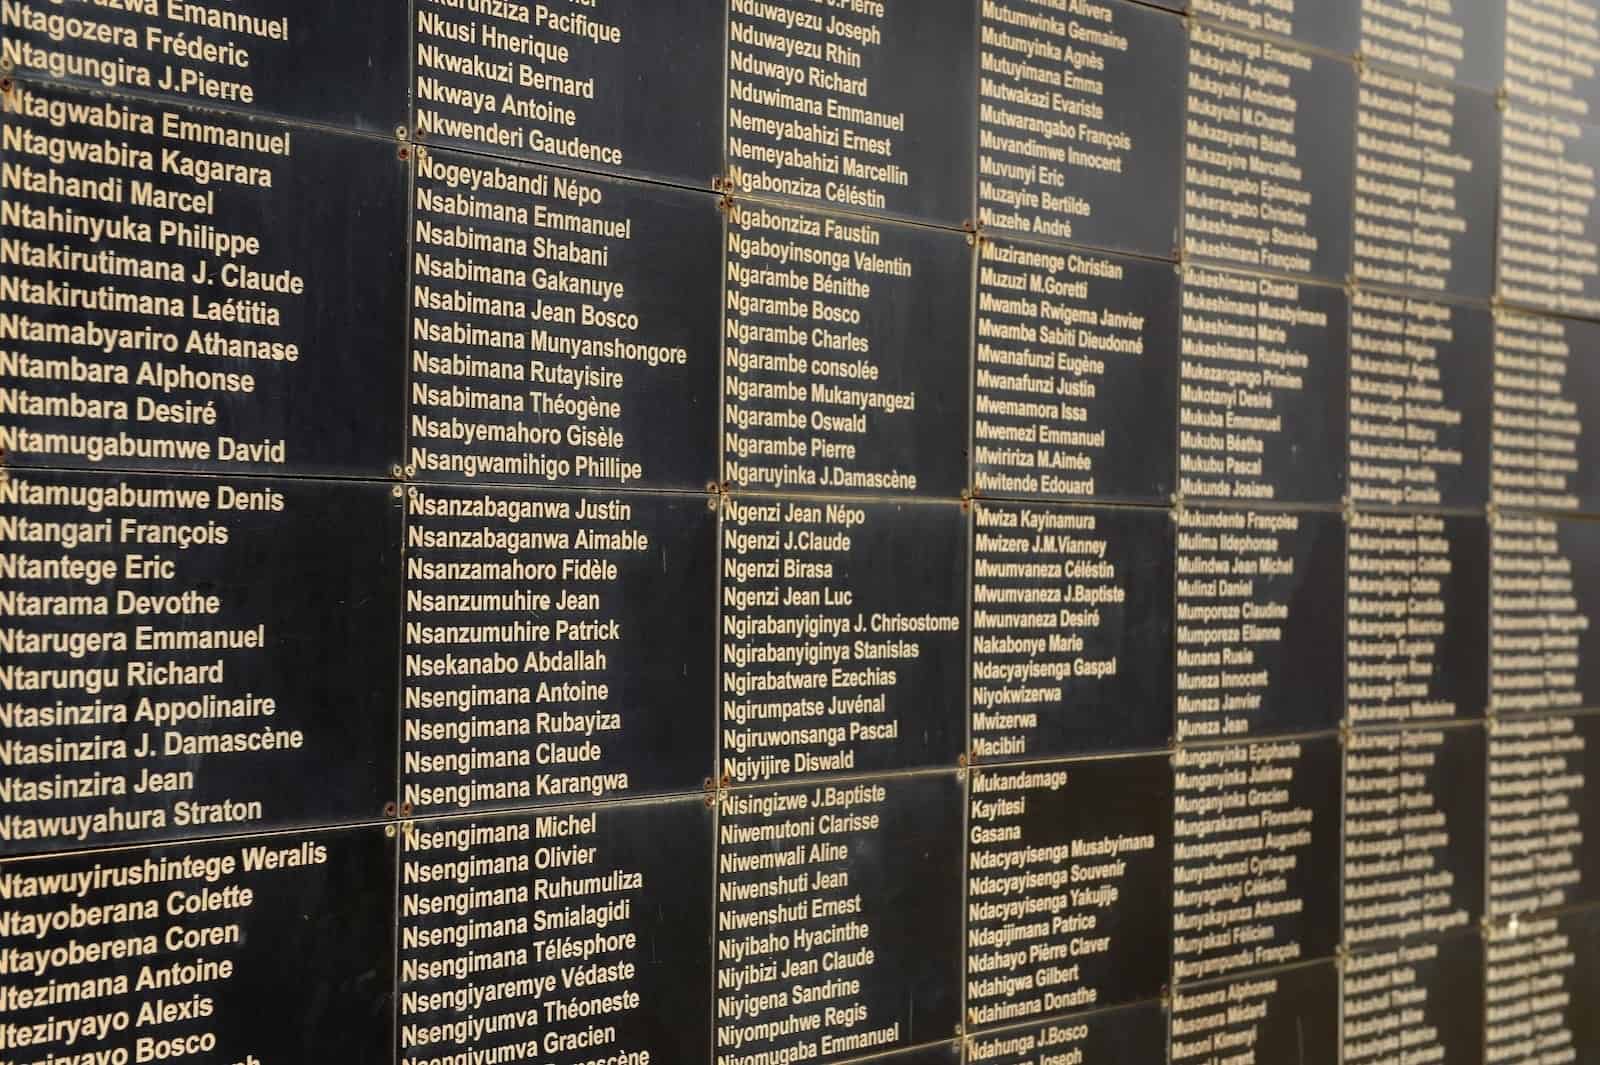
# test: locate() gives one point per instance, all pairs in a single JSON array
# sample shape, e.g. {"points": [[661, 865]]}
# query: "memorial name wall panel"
{"points": [[1100, 1037], [180, 652], [1541, 978], [585, 83], [1552, 56], [1415, 1002], [1075, 364], [1545, 573], [1080, 123], [158, 307], [1540, 803], [1549, 237], [1332, 27], [1457, 40], [1546, 373], [1289, 1015]]}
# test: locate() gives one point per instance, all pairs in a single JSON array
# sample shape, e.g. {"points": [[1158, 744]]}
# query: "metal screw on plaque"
{"points": [[401, 133], [405, 809], [396, 471], [389, 809]]}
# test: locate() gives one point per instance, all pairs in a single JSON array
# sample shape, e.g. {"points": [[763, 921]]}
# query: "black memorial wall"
{"points": [[1043, 532]]}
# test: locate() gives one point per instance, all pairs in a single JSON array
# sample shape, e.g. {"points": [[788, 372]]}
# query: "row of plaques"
{"points": [[821, 922], [160, 314], [1240, 149]]}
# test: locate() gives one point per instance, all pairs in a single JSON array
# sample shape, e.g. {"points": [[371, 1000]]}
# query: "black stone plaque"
{"points": [[1334, 26], [1457, 40], [625, 86], [1102, 1037], [1545, 654], [1416, 618], [279, 58], [1291, 1015], [1427, 165], [1549, 236], [1256, 843], [175, 952], [1270, 139], [1540, 803], [842, 646], [557, 646], [564, 327], [861, 104], [1262, 388], [1080, 115], [1075, 391], [1420, 388], [572, 936], [838, 918], [1550, 58], [1546, 376], [1259, 629], [197, 290], [1069, 875], [1417, 1002], [846, 354], [182, 654], [1413, 833], [1543, 979], [1071, 629]]}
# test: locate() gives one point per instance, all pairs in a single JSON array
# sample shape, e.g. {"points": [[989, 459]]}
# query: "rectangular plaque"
{"points": [[1416, 1002], [1258, 640], [1069, 875], [1542, 981], [1427, 166], [842, 650], [1458, 40], [1421, 380], [1075, 388], [826, 947], [1080, 124], [1546, 376], [1269, 150], [174, 952], [1262, 388], [1256, 843], [1102, 1037], [1071, 629], [182, 654], [196, 290], [846, 354], [1332, 25], [1291, 1015], [557, 646], [563, 327], [1540, 803], [1413, 833], [623, 86], [1549, 57], [276, 58], [860, 104], [1545, 654], [566, 937], [1416, 617], [1549, 239]]}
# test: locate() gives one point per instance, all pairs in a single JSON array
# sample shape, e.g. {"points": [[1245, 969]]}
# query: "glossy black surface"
{"points": [[841, 651], [1545, 651], [173, 952], [1069, 875], [1549, 227], [277, 58], [1540, 804], [209, 645], [1416, 612], [1075, 374], [1422, 998], [1071, 630], [1542, 973], [1262, 395], [563, 328], [1276, 803], [1259, 650], [1080, 126], [590, 85], [165, 309], [1421, 382], [555, 646], [1268, 178], [557, 936], [1413, 833], [865, 106], [845, 354], [1546, 378], [840, 904], [1287, 1016]]}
